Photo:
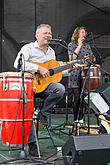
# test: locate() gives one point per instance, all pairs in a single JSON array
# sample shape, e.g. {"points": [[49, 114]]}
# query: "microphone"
{"points": [[20, 62], [56, 40], [89, 34]]}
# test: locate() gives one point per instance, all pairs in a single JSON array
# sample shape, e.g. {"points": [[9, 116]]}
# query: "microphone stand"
{"points": [[22, 153], [90, 63], [60, 42], [63, 44], [81, 95], [88, 77]]}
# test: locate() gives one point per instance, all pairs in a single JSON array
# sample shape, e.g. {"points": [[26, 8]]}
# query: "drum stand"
{"points": [[87, 78]]}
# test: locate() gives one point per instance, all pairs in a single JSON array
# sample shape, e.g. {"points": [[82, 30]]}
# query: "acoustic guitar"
{"points": [[40, 83]]}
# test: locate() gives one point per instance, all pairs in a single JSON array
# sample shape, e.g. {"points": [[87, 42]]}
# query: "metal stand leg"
{"points": [[87, 80], [39, 155], [47, 127], [49, 121], [49, 132]]}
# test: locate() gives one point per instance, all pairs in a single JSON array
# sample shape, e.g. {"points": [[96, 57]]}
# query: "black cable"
{"points": [[54, 155], [28, 160], [58, 158], [51, 156]]}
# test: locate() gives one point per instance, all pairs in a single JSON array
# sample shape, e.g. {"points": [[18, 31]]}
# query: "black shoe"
{"points": [[43, 119], [33, 150]]}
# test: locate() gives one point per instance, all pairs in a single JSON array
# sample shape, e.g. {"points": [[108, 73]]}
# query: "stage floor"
{"points": [[51, 152]]}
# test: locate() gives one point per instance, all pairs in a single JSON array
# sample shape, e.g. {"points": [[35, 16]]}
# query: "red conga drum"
{"points": [[95, 78], [11, 107]]}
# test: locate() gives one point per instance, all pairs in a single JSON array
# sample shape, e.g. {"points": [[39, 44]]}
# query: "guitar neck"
{"points": [[62, 68], [65, 67]]}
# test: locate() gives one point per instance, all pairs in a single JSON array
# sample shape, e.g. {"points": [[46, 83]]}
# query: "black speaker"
{"points": [[87, 150], [105, 92], [106, 95]]}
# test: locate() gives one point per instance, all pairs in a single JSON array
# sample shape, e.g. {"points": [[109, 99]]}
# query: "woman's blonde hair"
{"points": [[75, 34]]}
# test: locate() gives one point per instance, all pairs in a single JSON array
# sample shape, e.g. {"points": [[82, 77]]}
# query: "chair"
{"points": [[38, 103]]}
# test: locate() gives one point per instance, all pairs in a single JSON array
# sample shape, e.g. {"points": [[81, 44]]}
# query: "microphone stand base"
{"points": [[22, 154]]}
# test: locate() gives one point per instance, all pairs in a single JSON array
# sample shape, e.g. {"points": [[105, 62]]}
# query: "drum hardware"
{"points": [[5, 86], [86, 81]]}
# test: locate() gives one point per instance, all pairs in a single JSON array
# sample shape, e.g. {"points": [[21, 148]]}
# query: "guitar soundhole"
{"points": [[51, 72], [38, 82]]}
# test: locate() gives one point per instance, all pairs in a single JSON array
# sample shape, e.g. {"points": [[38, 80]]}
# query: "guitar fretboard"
{"points": [[62, 68]]}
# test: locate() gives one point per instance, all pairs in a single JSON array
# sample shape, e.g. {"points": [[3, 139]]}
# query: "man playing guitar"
{"points": [[40, 51]]}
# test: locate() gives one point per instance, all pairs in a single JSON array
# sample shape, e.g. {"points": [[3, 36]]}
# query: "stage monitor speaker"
{"points": [[105, 92], [106, 95], [97, 103], [87, 150]]}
